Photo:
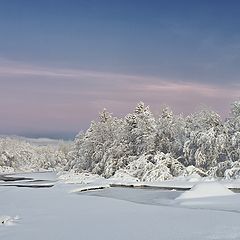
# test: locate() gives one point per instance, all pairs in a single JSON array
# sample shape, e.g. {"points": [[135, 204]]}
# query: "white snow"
{"points": [[5, 169], [8, 221], [79, 178], [206, 189], [121, 176], [115, 213]]}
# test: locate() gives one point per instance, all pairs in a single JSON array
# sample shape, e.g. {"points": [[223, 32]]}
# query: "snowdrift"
{"points": [[206, 189], [8, 221]]}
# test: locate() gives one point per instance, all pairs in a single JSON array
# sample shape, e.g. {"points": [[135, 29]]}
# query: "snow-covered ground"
{"points": [[116, 213]]}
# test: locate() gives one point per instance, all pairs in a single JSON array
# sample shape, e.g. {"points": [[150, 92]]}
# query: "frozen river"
{"points": [[54, 213]]}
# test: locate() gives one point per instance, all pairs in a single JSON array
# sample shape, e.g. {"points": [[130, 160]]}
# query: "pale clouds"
{"points": [[37, 98]]}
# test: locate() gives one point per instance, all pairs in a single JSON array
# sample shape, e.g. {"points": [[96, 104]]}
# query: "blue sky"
{"points": [[61, 62]]}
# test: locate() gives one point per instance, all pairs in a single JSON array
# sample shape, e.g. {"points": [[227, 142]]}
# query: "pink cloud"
{"points": [[63, 99]]}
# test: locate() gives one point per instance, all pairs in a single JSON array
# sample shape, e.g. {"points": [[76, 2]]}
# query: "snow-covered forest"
{"points": [[17, 154], [140, 145]]}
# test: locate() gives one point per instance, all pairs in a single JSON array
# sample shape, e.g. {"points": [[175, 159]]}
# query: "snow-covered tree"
{"points": [[140, 127], [19, 155], [232, 129], [140, 145], [206, 142], [170, 133], [92, 149]]}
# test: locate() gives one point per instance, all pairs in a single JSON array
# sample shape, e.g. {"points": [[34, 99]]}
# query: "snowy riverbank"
{"points": [[115, 213]]}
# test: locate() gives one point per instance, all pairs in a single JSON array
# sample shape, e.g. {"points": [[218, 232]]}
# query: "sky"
{"points": [[62, 62]]}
